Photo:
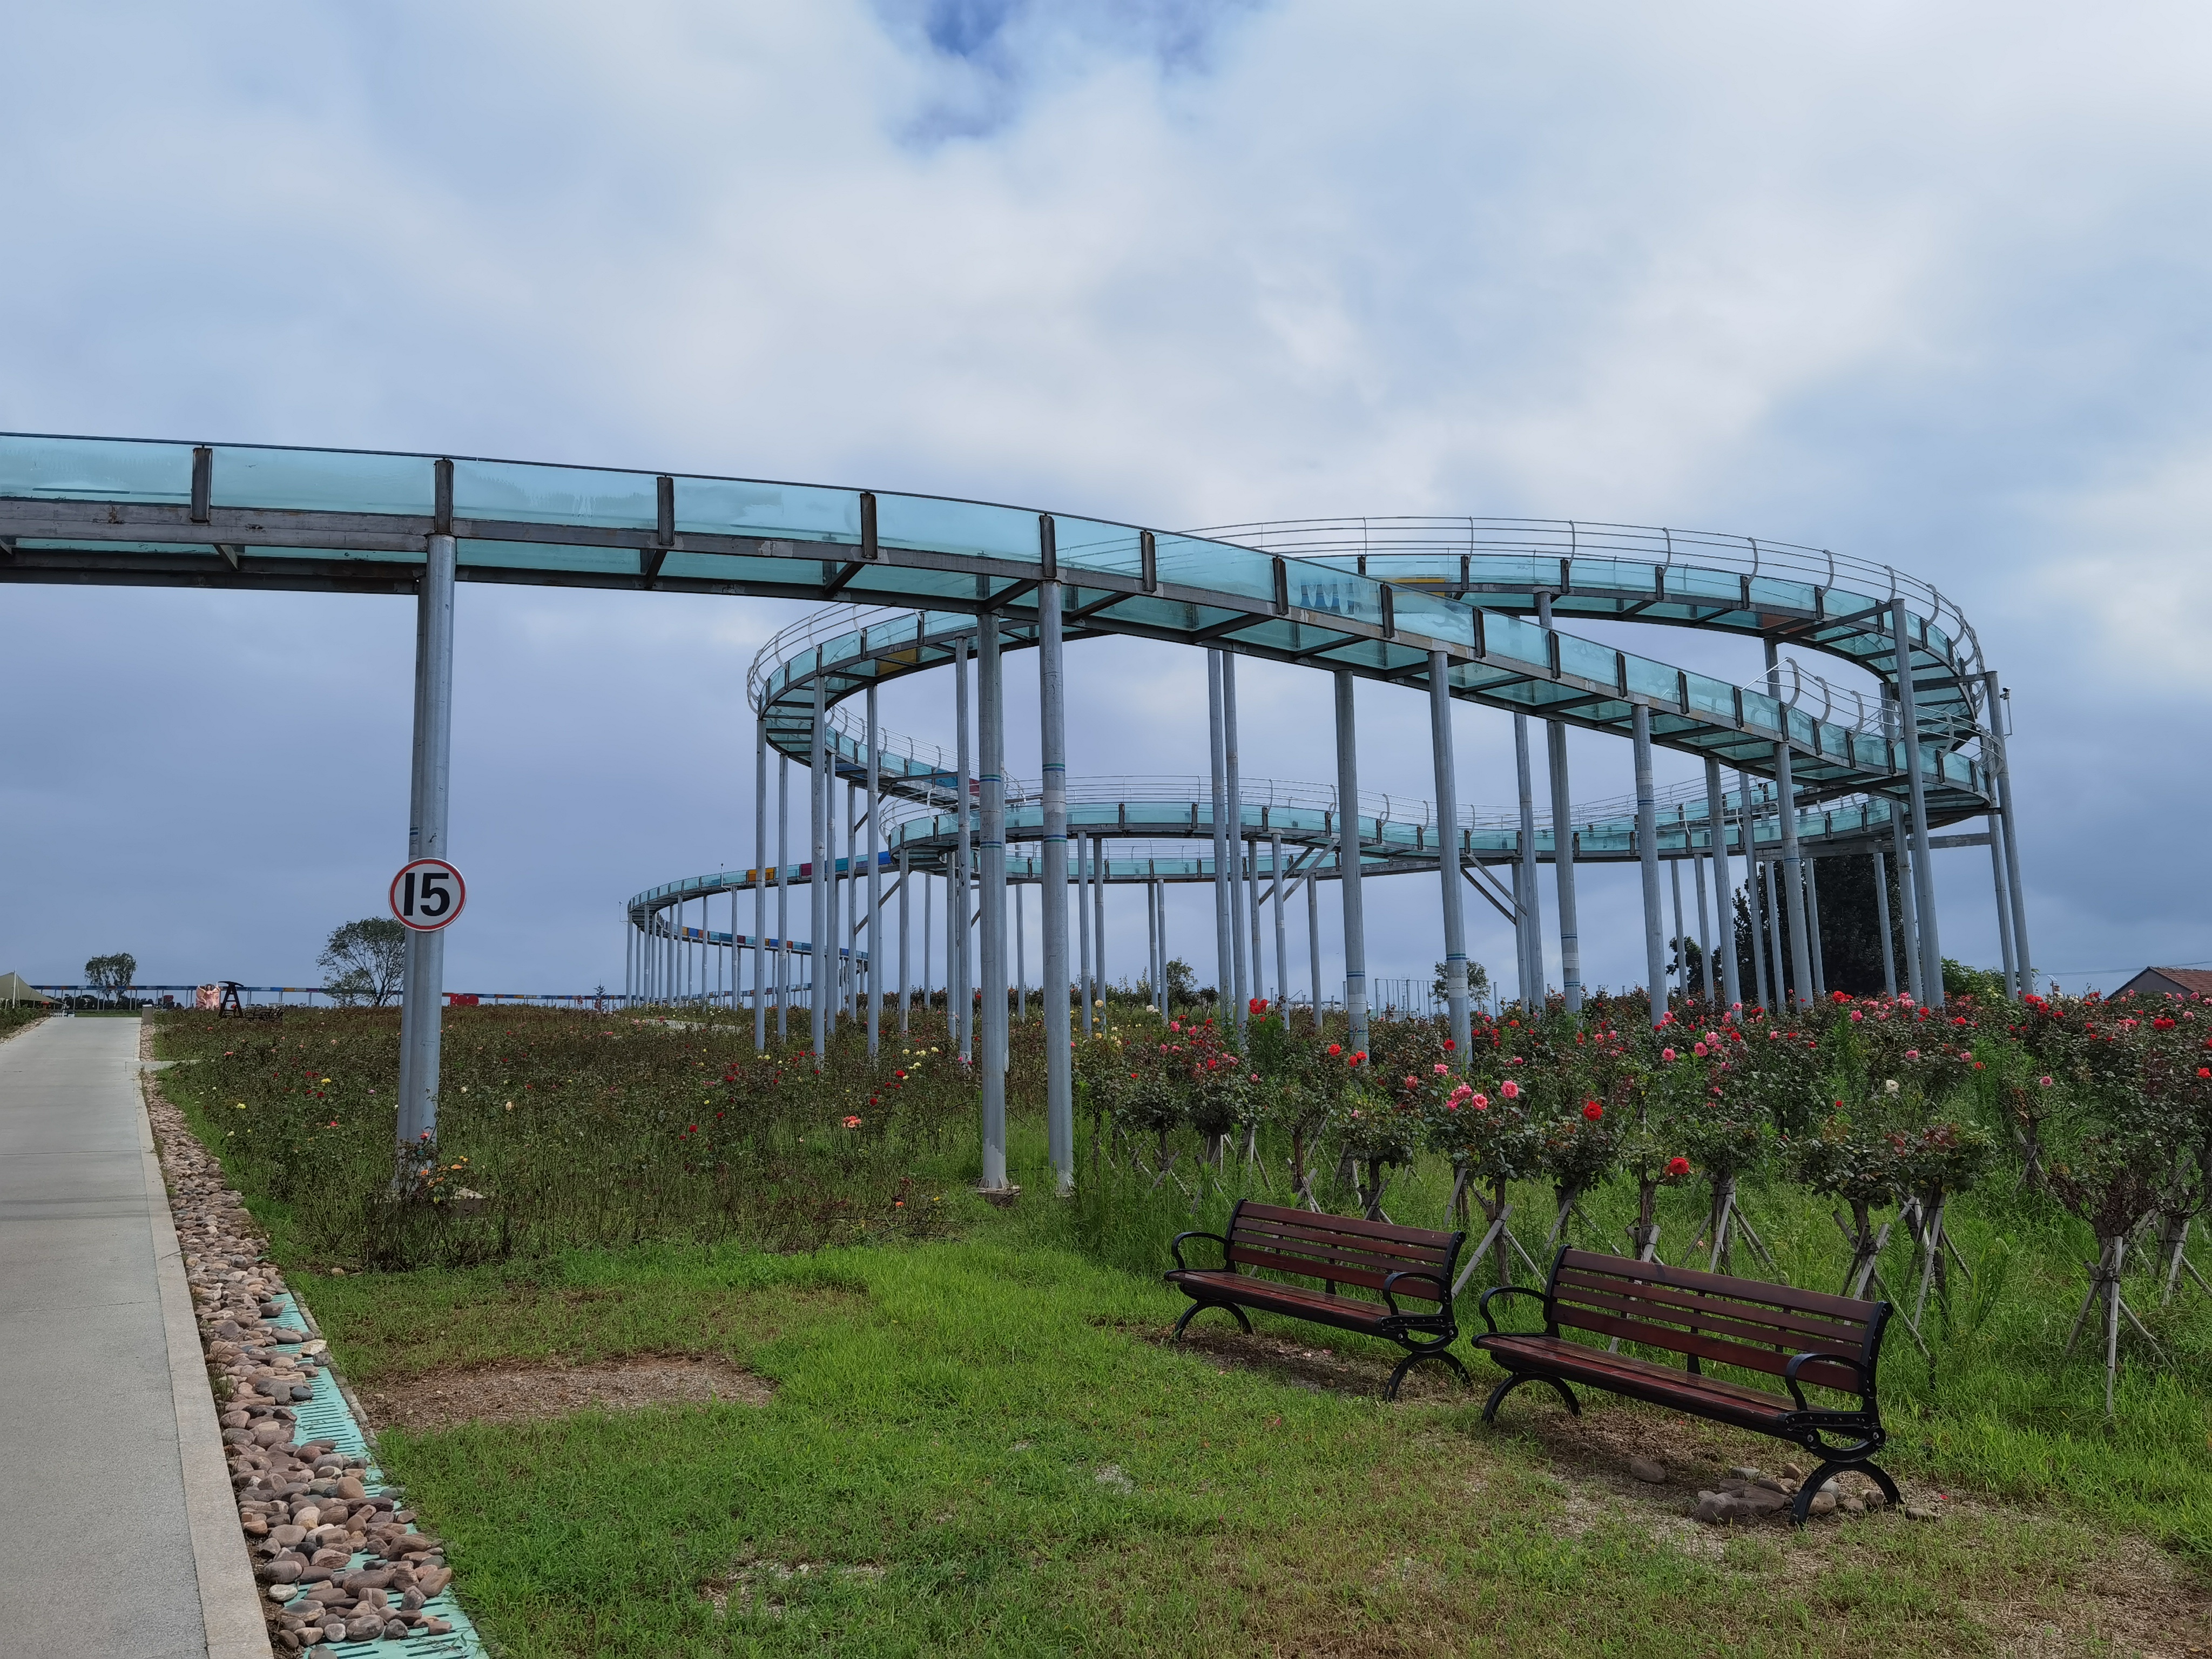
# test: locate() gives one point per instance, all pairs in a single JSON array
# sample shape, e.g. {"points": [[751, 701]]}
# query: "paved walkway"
{"points": [[122, 1540]]}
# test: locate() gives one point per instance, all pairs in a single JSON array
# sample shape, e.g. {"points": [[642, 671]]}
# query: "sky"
{"points": [[1922, 284]]}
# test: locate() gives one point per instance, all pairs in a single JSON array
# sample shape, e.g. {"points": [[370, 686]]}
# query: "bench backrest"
{"points": [[1731, 1321], [1342, 1249]]}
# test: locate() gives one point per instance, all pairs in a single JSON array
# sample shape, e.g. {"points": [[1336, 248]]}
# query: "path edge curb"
{"points": [[230, 1601]]}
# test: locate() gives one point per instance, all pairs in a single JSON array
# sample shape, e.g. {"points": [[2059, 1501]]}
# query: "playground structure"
{"points": [[1460, 608]]}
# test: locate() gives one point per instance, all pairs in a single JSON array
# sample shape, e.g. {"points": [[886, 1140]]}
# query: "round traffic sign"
{"points": [[428, 894]]}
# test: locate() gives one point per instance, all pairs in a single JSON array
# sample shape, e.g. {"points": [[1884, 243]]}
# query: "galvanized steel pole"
{"points": [[957, 902], [1881, 921], [1793, 879], [875, 800], [1239, 899], [1052, 893], [782, 898], [1748, 828], [1563, 844], [1454, 919], [1924, 869], [906, 914], [1532, 919], [1724, 912], [991, 690], [817, 885], [1282, 946], [1225, 924], [422, 990], [1900, 846], [1647, 852], [1348, 861]]}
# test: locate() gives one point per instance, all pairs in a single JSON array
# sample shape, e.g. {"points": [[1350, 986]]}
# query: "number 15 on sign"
{"points": [[428, 894]]}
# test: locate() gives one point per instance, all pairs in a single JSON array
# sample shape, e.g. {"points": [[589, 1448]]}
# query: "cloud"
{"points": [[1921, 286]]}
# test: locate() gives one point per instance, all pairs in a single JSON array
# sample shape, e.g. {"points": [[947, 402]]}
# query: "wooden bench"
{"points": [[1390, 1261], [1831, 1342]]}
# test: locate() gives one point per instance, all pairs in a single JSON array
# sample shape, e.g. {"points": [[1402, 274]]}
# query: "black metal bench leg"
{"points": [[1415, 1357], [1498, 1394], [1198, 1308], [1801, 1509]]}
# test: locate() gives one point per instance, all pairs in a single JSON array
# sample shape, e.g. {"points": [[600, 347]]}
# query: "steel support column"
{"points": [[875, 880], [1924, 869], [1531, 924], [1647, 856], [1239, 896], [1723, 912], [1446, 767], [1224, 921], [422, 990], [1052, 892], [1348, 861], [960, 900], [991, 696]]}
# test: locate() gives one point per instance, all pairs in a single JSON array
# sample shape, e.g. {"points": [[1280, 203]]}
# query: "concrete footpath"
{"points": [[123, 1540]]}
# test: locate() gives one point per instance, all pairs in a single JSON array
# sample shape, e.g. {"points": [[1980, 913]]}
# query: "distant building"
{"points": [[2169, 982]]}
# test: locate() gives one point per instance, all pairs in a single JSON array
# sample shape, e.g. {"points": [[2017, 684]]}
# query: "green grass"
{"points": [[943, 1411], [941, 1419]]}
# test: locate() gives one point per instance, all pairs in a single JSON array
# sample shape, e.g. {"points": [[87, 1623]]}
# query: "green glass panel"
{"points": [[1425, 570], [744, 507], [1801, 727], [323, 480], [1513, 570], [1761, 711], [1773, 593], [1616, 575], [554, 495], [1699, 581], [1189, 563], [1711, 696], [1647, 678], [1843, 604], [94, 469], [932, 524], [1316, 586], [685, 566], [1440, 619], [1587, 659], [1088, 545], [549, 556]]}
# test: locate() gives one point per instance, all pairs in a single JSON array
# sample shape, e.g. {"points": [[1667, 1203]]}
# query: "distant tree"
{"points": [[1850, 927], [1182, 984], [364, 960], [1688, 955], [111, 975], [1478, 983]]}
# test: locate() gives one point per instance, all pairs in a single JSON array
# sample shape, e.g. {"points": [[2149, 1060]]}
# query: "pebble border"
{"points": [[320, 1520]]}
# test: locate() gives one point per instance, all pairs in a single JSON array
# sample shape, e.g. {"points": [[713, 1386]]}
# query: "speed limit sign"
{"points": [[428, 894]]}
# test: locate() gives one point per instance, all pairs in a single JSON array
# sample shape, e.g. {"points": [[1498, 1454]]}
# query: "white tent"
{"points": [[14, 990]]}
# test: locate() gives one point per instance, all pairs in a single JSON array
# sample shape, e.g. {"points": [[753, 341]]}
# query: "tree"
{"points": [[1851, 928], [111, 975], [1182, 986], [365, 960], [1478, 983]]}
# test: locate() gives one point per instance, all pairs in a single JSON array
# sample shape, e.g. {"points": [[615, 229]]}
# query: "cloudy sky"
{"points": [[1926, 284]]}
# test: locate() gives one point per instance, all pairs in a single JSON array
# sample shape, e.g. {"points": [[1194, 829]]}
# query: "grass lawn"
{"points": [[976, 1443], [974, 1448]]}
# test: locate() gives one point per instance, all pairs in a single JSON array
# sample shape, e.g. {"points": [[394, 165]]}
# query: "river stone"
{"points": [[1852, 1505], [1824, 1503], [1644, 1468], [351, 1490], [1922, 1512]]}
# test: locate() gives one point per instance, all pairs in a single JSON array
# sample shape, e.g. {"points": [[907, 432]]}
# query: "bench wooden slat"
{"points": [[1713, 1348], [1596, 1361], [1677, 1390], [1425, 1253], [1338, 1273], [1711, 1321], [1247, 1211], [1703, 1304], [1781, 1296]]}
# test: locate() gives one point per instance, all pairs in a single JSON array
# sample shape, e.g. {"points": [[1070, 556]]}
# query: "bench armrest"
{"points": [[1483, 1307], [1443, 1290], [1799, 1361], [1176, 1246]]}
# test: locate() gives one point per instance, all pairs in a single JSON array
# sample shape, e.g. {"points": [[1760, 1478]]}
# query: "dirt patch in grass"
{"points": [[1309, 1365], [511, 1394]]}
